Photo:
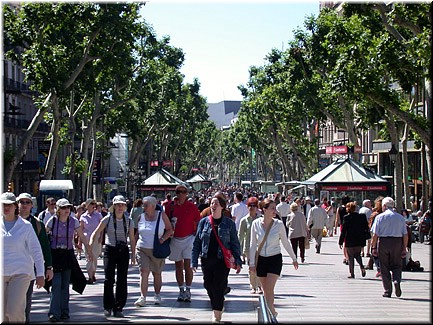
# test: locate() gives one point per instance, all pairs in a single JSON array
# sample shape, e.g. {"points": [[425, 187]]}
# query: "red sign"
{"points": [[342, 150], [354, 188], [154, 163], [166, 163]]}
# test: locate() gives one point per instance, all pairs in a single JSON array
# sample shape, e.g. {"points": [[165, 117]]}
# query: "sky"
{"points": [[221, 41]]}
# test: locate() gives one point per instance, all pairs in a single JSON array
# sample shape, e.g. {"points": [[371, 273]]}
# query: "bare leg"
{"points": [[179, 273], [268, 286], [157, 282], [144, 281], [188, 272]]}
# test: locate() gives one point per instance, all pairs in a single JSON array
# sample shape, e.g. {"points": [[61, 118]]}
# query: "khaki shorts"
{"points": [[146, 260], [181, 248]]}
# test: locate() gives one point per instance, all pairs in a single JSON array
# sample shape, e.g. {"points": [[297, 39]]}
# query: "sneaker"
{"points": [[397, 288], [181, 296], [187, 296], [259, 290], [157, 299], [141, 302], [253, 291], [107, 312], [118, 314]]}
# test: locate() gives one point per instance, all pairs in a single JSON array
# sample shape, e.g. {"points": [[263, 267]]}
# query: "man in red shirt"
{"points": [[184, 217]]}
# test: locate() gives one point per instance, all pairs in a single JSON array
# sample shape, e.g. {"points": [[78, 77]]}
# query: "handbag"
{"points": [[263, 242], [229, 259], [306, 242], [160, 250]]}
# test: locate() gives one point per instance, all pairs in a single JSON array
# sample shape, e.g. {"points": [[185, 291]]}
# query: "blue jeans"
{"points": [[59, 300]]}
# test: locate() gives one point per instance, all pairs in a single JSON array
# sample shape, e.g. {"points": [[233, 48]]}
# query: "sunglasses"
{"points": [[52, 203], [181, 191], [25, 202], [252, 206]]}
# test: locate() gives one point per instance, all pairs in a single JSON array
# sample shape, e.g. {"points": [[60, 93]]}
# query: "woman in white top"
{"points": [[144, 255], [21, 255], [270, 259]]}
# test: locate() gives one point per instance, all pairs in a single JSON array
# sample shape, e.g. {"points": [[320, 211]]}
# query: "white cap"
{"points": [[63, 203], [119, 199], [8, 198], [24, 196]]}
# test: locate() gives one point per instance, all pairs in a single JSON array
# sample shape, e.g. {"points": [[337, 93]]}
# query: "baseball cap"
{"points": [[307, 198], [24, 196], [63, 203], [8, 198], [119, 199]]}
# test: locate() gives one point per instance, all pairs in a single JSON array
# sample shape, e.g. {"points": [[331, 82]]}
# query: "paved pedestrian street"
{"points": [[318, 292]]}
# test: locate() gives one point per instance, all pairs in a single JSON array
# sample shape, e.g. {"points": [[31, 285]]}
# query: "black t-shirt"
{"points": [[341, 213], [213, 242]]}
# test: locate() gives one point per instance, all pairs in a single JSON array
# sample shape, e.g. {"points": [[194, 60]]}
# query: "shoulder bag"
{"points": [[228, 255], [263, 242], [160, 250]]}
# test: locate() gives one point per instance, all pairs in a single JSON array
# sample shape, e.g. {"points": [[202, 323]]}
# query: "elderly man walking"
{"points": [[389, 243], [316, 220]]}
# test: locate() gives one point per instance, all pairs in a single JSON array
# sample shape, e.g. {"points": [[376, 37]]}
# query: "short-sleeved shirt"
{"points": [[91, 222], [62, 233], [389, 224], [188, 216]]}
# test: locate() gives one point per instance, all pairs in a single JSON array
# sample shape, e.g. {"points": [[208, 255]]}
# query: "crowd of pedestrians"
{"points": [[42, 251]]}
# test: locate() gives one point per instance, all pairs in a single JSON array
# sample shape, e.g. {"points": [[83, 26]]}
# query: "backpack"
{"points": [[42, 217]]}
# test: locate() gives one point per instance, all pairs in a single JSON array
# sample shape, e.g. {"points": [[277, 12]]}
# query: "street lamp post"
{"points": [[393, 153], [121, 174], [129, 177], [139, 178]]}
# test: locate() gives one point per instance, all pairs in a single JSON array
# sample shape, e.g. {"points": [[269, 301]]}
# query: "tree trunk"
{"points": [[55, 139]]}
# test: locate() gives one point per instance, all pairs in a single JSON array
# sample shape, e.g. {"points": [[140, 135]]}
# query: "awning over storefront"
{"points": [[162, 180], [347, 175]]}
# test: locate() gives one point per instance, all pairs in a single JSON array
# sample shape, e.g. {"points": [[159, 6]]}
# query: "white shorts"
{"points": [[181, 248]]}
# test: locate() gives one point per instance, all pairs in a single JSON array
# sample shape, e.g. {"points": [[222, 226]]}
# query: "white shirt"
{"points": [[366, 211], [317, 217], [47, 216], [283, 209], [22, 251], [272, 245], [239, 210]]}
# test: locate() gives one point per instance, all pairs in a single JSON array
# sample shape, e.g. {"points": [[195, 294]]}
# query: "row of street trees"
{"points": [[367, 66], [99, 69]]}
